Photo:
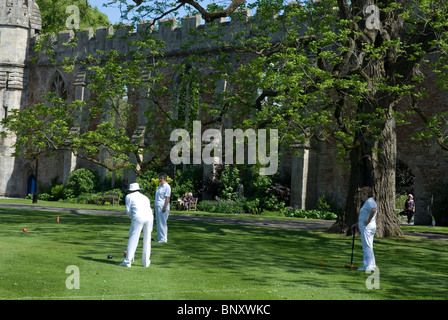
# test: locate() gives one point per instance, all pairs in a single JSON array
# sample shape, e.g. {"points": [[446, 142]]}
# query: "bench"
{"points": [[112, 198], [193, 206], [175, 204]]}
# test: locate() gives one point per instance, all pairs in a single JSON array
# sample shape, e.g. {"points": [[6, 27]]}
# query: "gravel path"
{"points": [[261, 222]]}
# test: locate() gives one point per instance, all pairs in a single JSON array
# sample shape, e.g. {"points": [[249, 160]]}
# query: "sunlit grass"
{"points": [[205, 261]]}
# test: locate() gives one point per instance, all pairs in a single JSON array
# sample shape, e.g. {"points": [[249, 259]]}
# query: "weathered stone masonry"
{"points": [[23, 81]]}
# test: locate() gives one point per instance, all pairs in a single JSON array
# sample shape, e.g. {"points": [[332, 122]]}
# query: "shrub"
{"points": [[272, 203], [230, 180], [178, 191], [189, 179], [58, 192], [90, 198], [325, 204], [309, 214], [44, 196], [41, 196], [253, 206], [149, 182], [221, 206], [281, 192], [230, 207], [207, 205], [80, 181]]}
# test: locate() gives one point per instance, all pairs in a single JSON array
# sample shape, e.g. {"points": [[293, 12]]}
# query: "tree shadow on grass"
{"points": [[268, 255], [256, 256], [105, 261]]}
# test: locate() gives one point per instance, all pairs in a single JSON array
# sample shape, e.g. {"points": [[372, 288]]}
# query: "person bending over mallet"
{"points": [[138, 208]]}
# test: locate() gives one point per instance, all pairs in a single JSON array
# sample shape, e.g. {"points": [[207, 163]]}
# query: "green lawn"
{"points": [[206, 261]]}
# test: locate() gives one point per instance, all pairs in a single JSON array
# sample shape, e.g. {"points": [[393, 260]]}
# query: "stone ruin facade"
{"points": [[23, 81]]}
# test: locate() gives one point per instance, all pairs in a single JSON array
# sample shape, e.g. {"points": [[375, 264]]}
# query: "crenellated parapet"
{"points": [[175, 35]]}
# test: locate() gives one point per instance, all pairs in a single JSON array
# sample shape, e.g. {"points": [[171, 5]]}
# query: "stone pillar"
{"points": [[299, 177], [70, 160], [18, 21]]}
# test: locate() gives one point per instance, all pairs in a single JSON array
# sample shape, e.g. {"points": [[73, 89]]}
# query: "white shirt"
{"points": [[365, 211], [163, 191], [138, 205]]}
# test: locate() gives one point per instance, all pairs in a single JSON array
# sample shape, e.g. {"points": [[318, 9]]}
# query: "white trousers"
{"points": [[137, 225], [162, 224], [367, 234]]}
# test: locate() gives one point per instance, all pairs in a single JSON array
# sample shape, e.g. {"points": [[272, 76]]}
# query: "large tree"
{"points": [[343, 78], [339, 72]]}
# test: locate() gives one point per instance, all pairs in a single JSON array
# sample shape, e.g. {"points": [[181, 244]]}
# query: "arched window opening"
{"points": [[57, 85], [31, 185], [404, 179], [186, 97]]}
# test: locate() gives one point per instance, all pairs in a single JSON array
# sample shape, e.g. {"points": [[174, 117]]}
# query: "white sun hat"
{"points": [[134, 187]]}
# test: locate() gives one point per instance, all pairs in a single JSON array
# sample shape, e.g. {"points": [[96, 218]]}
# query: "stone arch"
{"points": [[58, 84], [28, 174], [184, 95], [31, 184]]}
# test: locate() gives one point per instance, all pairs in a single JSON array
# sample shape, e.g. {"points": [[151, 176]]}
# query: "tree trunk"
{"points": [[372, 163], [384, 166], [373, 155]]}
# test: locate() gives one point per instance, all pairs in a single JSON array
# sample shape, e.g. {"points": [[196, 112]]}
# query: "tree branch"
{"points": [[440, 137], [263, 95], [210, 16]]}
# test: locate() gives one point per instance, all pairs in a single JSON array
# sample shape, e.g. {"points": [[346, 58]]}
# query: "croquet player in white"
{"points": [[139, 210], [162, 208], [367, 226]]}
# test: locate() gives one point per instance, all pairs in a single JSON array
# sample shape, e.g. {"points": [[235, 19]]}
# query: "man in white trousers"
{"points": [[139, 210], [367, 226], [162, 208]]}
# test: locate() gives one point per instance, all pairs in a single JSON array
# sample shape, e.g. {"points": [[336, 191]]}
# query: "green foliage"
{"points": [[221, 206], [149, 182], [188, 180], [324, 203], [41, 196], [324, 210], [272, 203], [207, 206], [252, 206], [230, 180], [89, 198], [80, 181], [54, 15], [57, 192], [309, 214]]}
